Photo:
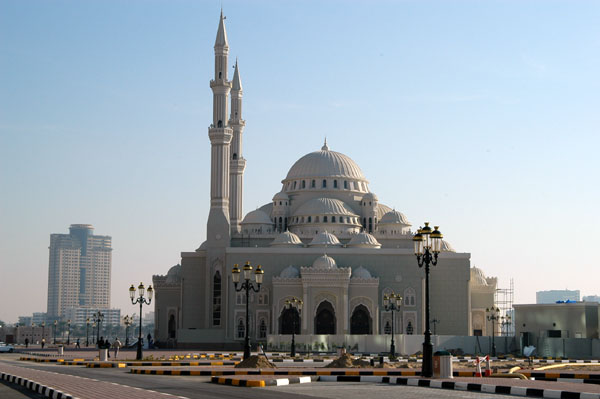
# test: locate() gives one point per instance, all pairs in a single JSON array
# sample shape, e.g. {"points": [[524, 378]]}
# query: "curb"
{"points": [[34, 386], [106, 365], [279, 372], [241, 382]]}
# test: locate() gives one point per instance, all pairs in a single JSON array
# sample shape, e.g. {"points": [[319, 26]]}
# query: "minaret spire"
{"points": [[237, 163], [221, 40]]}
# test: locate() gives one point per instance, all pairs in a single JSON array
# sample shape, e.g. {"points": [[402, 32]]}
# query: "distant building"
{"points": [[79, 270], [554, 296], [38, 318], [591, 298], [25, 320], [80, 314]]}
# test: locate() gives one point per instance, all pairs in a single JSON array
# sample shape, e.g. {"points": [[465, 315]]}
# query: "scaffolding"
{"points": [[504, 299]]}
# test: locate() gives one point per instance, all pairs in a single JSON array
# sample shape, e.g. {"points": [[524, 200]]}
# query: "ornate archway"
{"points": [[325, 319], [286, 321], [171, 327], [360, 322]]}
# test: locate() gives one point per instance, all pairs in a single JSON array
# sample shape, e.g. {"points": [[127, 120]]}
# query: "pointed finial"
{"points": [[325, 147], [237, 81], [221, 40]]}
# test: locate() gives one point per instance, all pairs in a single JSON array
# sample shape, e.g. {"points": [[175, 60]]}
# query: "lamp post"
{"points": [[434, 321], [294, 305], [428, 245], [55, 324], [32, 330], [392, 303], [141, 300], [69, 332], [98, 318], [127, 320], [506, 322], [247, 285], [493, 316], [43, 328], [87, 332]]}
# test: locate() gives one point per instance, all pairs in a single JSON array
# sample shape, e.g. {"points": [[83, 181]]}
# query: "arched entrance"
{"points": [[325, 319], [360, 322], [172, 326], [286, 321]]}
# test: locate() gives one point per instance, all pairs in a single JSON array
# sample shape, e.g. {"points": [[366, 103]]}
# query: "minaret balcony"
{"points": [[220, 83], [238, 122], [220, 135]]}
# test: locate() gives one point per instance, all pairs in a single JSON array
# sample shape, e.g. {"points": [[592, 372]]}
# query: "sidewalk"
{"points": [[67, 386]]}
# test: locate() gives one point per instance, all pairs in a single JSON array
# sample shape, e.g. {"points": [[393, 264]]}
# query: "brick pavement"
{"points": [[80, 387]]}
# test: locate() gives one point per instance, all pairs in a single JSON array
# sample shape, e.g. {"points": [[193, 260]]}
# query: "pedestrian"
{"points": [[116, 346], [101, 343], [107, 347], [26, 342], [43, 342], [77, 344]]}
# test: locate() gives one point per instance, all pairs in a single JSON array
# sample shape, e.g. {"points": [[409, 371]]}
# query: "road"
{"points": [[200, 387]]}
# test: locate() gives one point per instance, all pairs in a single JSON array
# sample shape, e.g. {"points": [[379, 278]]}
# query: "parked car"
{"points": [[6, 347]]}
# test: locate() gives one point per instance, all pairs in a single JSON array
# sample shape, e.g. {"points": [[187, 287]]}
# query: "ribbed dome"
{"points": [[324, 262], [325, 163], [394, 217], [174, 274], [446, 247], [325, 239], [286, 239], [257, 217], [289, 272], [324, 206], [364, 240], [361, 272], [281, 196], [477, 277]]}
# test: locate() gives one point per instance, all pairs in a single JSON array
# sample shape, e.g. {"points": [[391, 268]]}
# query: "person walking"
{"points": [[100, 343], [107, 347], [27, 342], [43, 342], [116, 346], [77, 344]]}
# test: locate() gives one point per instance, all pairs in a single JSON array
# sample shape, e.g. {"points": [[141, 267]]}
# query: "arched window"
{"points": [[294, 185], [409, 328], [241, 330], [333, 219], [234, 155], [370, 225], [324, 183], [409, 297], [262, 329], [335, 184], [345, 184], [309, 219], [324, 219], [217, 299], [220, 74], [303, 183], [313, 184], [220, 124], [172, 329]]}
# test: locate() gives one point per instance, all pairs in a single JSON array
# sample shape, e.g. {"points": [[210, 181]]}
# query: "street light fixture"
{"points": [[98, 319], [247, 285], [506, 322], [127, 320], [141, 300], [87, 332], [43, 328], [392, 303], [428, 245], [295, 305], [55, 324], [493, 316]]}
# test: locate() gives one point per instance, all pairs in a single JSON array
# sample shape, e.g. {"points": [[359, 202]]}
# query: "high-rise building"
{"points": [[554, 296], [79, 270]]}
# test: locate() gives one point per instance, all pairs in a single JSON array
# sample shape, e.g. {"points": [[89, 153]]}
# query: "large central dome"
{"points": [[325, 163]]}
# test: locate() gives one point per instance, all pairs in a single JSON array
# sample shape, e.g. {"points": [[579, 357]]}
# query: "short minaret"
{"points": [[237, 163], [218, 231]]}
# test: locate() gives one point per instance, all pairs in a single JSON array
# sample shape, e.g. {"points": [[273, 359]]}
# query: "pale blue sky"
{"points": [[481, 116]]}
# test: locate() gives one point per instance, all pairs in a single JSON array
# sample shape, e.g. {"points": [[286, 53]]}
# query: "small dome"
{"points": [[290, 272], [364, 240], [477, 277], [281, 196], [257, 217], [324, 262], [370, 197], [324, 206], [174, 274], [325, 239], [361, 272], [286, 239], [203, 246], [446, 247], [394, 217]]}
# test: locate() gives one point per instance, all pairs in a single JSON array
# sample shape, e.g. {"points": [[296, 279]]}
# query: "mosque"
{"points": [[325, 238]]}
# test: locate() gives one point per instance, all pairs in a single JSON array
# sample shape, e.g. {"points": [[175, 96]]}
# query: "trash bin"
{"points": [[442, 364], [61, 350], [103, 355]]}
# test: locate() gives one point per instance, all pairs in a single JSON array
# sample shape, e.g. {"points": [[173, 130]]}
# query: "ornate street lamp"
{"points": [[43, 328], [428, 245], [506, 322], [493, 316], [98, 319], [69, 332], [141, 300], [392, 303], [55, 324], [127, 320], [87, 332], [295, 305], [247, 285]]}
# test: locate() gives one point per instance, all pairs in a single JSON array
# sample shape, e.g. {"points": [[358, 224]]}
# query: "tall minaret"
{"points": [[218, 230], [237, 163]]}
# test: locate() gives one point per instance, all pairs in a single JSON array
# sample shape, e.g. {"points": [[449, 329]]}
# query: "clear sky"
{"points": [[480, 116]]}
